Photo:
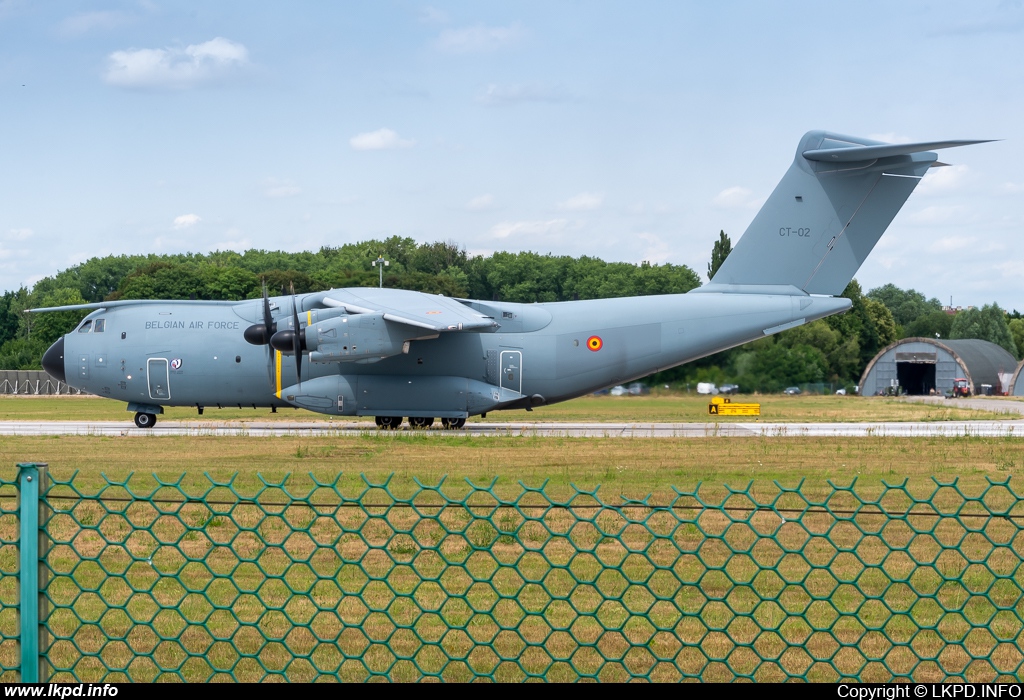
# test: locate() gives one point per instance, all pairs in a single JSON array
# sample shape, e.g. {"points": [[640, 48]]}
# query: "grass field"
{"points": [[634, 467], [757, 583], [204, 589], [657, 408]]}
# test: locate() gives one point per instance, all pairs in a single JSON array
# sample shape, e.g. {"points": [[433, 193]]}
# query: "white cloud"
{"points": [[233, 240], [186, 220], [1011, 188], [276, 189], [584, 201], [948, 244], [494, 95], [20, 234], [85, 22], [736, 198], [656, 251], [176, 68], [478, 38], [528, 228], [943, 180], [937, 215], [379, 140], [481, 203]]}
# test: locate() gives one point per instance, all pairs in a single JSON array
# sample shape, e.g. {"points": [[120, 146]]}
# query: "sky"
{"points": [[625, 131]]}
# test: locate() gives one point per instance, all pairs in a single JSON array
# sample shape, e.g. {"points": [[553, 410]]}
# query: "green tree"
{"points": [[719, 252], [163, 280], [22, 353], [435, 258], [907, 305], [935, 323], [9, 320], [987, 323], [46, 327], [1017, 331]]}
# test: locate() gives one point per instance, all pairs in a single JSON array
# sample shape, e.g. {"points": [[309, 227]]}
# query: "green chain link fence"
{"points": [[766, 582]]}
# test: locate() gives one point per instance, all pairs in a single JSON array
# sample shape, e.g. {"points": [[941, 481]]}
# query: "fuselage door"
{"points": [[511, 364], [159, 375]]}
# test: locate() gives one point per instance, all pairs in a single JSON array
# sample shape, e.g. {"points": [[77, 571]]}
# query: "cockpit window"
{"points": [[84, 328], [99, 325]]}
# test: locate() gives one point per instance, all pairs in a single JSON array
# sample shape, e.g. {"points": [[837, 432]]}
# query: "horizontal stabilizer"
{"points": [[856, 152]]}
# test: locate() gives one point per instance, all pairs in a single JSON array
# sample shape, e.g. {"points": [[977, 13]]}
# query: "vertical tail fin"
{"points": [[827, 213]]}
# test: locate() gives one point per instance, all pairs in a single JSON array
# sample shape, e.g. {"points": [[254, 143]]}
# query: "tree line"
{"points": [[834, 350], [441, 267]]}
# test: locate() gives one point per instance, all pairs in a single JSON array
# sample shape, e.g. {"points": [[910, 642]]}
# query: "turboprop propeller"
{"points": [[261, 333], [292, 341]]}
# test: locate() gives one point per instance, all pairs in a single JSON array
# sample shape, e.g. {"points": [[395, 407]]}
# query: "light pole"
{"points": [[380, 263]]}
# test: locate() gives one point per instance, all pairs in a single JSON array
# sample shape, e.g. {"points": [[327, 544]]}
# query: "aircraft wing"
{"points": [[431, 311]]}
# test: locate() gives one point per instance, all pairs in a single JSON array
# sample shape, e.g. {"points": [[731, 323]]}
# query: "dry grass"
{"points": [[758, 584], [635, 467], [203, 591]]}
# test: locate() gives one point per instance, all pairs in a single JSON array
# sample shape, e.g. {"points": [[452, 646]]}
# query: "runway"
{"points": [[980, 428]]}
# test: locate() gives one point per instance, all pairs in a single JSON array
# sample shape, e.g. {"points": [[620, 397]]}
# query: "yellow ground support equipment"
{"points": [[724, 407]]}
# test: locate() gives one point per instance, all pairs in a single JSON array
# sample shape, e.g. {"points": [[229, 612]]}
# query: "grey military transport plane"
{"points": [[397, 354]]}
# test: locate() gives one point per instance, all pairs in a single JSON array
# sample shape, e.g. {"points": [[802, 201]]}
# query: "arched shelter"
{"points": [[1017, 383], [923, 365]]}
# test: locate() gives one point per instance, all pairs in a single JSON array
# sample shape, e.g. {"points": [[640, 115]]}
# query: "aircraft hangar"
{"points": [[922, 366], [1017, 383]]}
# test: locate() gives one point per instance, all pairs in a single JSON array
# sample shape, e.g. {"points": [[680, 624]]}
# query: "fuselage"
{"points": [[188, 354]]}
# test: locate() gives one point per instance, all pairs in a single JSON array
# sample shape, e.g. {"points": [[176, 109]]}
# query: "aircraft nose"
{"points": [[53, 360]]}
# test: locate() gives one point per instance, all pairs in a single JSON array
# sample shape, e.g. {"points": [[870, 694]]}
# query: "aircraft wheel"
{"points": [[421, 422], [453, 423], [388, 422], [145, 420]]}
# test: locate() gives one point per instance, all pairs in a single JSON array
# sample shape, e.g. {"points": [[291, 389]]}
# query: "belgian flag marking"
{"points": [[595, 343]]}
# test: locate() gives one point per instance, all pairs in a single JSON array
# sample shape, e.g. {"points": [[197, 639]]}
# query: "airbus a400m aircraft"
{"points": [[397, 354]]}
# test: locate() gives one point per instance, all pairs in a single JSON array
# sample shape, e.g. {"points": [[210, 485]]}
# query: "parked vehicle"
{"points": [[961, 389], [706, 388], [729, 389], [637, 389], [618, 390], [792, 390]]}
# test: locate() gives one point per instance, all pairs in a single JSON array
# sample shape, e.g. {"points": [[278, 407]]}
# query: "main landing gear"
{"points": [[388, 422], [395, 422], [145, 420]]}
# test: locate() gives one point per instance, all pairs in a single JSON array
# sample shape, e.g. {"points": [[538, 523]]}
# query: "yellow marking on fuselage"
{"points": [[277, 371], [309, 318]]}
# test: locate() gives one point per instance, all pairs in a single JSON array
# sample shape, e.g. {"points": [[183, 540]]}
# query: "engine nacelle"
{"points": [[356, 337]]}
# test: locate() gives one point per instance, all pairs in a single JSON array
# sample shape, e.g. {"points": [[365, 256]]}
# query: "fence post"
{"points": [[32, 571]]}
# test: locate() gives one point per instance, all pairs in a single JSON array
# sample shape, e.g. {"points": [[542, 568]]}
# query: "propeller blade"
{"points": [[268, 320], [261, 333], [296, 338]]}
